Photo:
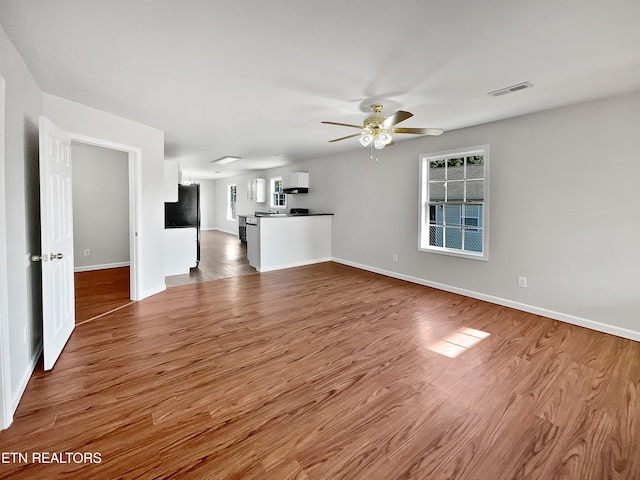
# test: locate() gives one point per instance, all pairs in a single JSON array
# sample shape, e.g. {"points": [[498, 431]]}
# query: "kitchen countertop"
{"points": [[283, 215]]}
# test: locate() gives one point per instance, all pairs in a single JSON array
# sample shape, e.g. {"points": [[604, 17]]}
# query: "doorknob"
{"points": [[55, 256], [37, 258]]}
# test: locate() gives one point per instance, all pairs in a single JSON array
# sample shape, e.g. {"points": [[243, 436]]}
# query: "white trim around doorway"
{"points": [[6, 412], [135, 202]]}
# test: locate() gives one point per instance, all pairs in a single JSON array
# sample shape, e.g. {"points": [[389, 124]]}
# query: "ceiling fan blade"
{"points": [[420, 131], [399, 116], [343, 124], [344, 138]]}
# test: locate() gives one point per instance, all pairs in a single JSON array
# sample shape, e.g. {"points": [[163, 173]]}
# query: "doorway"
{"points": [[134, 156], [101, 225]]}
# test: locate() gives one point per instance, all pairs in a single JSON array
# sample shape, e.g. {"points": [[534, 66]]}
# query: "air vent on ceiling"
{"points": [[511, 89]]}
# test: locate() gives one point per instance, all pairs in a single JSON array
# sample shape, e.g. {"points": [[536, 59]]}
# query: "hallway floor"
{"points": [[222, 255]]}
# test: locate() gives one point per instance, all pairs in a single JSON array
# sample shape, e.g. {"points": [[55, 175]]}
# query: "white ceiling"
{"points": [[253, 78]]}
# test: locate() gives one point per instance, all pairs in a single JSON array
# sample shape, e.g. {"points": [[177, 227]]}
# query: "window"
{"points": [[278, 198], [453, 216], [231, 202]]}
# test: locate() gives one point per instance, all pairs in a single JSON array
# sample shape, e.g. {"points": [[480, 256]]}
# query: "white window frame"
{"points": [[423, 226], [232, 206], [272, 193]]}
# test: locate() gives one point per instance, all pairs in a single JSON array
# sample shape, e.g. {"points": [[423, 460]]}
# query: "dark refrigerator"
{"points": [[185, 212]]}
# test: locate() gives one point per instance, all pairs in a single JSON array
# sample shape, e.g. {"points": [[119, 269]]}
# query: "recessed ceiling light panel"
{"points": [[225, 160]]}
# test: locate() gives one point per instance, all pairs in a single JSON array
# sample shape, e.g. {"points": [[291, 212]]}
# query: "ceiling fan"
{"points": [[377, 130]]}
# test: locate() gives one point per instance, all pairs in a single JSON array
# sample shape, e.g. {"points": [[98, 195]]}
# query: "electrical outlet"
{"points": [[87, 252], [394, 257], [522, 282]]}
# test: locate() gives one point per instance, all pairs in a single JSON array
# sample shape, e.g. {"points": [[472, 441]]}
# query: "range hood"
{"points": [[295, 182]]}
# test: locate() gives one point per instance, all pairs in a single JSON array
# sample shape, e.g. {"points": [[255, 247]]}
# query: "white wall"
{"points": [[243, 206], [23, 105], [24, 102], [207, 204], [563, 212], [100, 206], [90, 122]]}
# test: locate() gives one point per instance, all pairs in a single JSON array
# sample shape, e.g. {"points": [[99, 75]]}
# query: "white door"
{"points": [[57, 240]]}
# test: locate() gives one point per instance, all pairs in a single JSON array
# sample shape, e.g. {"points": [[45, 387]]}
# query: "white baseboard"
{"points": [[291, 265], [563, 317], [104, 266], [225, 231], [153, 291]]}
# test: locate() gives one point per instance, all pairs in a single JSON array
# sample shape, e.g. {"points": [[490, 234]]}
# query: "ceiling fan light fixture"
{"points": [[365, 140], [377, 130], [386, 138], [379, 143]]}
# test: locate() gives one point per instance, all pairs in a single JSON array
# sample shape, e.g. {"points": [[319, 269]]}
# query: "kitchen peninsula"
{"points": [[276, 241]]}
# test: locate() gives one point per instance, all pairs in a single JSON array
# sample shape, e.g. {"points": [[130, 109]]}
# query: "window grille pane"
{"points": [[455, 191], [473, 239], [475, 190], [475, 166], [437, 170], [472, 210], [473, 215], [436, 192], [453, 215], [455, 168], [436, 214], [435, 236], [453, 237]]}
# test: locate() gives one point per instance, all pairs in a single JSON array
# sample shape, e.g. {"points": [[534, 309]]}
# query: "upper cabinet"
{"points": [[296, 182], [257, 190]]}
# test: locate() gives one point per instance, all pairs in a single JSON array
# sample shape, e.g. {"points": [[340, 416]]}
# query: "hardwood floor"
{"points": [[326, 371], [221, 256], [100, 291]]}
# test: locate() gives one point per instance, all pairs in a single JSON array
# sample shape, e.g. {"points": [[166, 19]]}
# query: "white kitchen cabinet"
{"points": [[257, 190], [295, 182], [253, 245], [180, 250]]}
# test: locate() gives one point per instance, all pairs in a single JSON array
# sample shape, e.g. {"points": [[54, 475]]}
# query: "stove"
{"points": [[299, 211]]}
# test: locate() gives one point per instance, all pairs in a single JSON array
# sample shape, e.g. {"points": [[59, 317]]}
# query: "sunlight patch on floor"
{"points": [[458, 342]]}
